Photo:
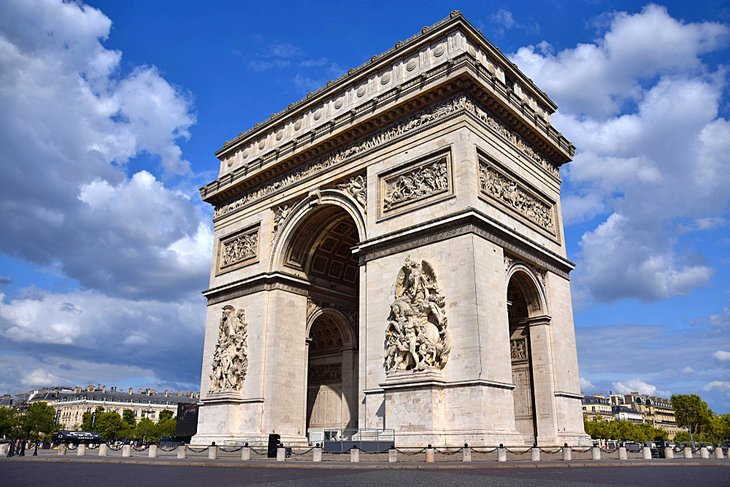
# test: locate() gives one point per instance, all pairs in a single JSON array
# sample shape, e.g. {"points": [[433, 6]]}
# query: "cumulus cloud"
{"points": [[719, 385], [722, 355], [642, 108], [71, 120], [586, 385], [637, 385], [86, 327]]}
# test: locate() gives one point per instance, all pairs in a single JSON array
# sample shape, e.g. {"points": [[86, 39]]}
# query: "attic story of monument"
{"points": [[389, 260]]}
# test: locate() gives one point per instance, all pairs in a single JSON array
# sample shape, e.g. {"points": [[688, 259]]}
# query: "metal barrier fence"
{"points": [[354, 453]]}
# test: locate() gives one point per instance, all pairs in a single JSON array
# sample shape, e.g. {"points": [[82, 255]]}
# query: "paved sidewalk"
{"points": [[342, 461]]}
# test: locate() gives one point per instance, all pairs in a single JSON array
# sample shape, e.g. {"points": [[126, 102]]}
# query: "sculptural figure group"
{"points": [[416, 336], [230, 359]]}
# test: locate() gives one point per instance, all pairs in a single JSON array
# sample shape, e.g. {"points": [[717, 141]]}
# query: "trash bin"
{"points": [[273, 445], [658, 452]]}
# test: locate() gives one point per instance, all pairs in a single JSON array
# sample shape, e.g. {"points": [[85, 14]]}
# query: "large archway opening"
{"points": [[523, 302], [321, 251]]}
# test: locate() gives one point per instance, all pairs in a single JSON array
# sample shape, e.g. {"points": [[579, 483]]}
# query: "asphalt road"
{"points": [[17, 473]]}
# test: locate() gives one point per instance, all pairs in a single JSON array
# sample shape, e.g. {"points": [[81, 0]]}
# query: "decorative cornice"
{"points": [[336, 88], [395, 131], [452, 54], [468, 221]]}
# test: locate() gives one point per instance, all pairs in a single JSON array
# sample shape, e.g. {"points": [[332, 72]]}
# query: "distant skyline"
{"points": [[111, 113]]}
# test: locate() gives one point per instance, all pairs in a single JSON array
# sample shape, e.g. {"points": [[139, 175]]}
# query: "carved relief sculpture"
{"points": [[420, 183], [230, 359], [240, 248], [416, 337], [357, 188], [518, 349], [511, 194]]}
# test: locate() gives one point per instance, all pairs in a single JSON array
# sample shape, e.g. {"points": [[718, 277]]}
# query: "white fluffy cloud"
{"points": [[637, 385], [722, 355], [164, 339], [652, 161], [71, 120]]}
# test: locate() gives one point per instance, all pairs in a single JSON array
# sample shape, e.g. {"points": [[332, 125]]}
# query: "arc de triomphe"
{"points": [[389, 255]]}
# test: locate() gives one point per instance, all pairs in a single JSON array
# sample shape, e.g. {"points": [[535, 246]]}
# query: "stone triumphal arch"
{"points": [[389, 256]]}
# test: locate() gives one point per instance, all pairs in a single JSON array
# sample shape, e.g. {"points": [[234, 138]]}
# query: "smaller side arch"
{"points": [[339, 319], [531, 287]]}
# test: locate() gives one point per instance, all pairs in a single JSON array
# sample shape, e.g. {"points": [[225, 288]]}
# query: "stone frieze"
{"points": [[512, 194], [419, 183], [398, 129], [239, 248]]}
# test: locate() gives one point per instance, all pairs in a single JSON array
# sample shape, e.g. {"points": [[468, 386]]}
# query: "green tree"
{"points": [[166, 425], [38, 421], [145, 430], [128, 417], [166, 414], [694, 413], [9, 422], [110, 425]]}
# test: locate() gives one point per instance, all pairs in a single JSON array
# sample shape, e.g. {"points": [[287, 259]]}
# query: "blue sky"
{"points": [[111, 112]]}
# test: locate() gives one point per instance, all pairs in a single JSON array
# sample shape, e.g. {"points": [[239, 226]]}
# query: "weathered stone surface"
{"points": [[396, 242]]}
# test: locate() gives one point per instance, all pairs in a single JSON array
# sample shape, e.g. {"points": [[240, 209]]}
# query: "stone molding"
{"points": [[451, 107], [510, 262], [254, 284], [350, 151], [238, 249], [468, 221], [411, 59]]}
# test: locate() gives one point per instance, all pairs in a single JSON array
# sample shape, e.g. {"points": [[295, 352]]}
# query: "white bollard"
{"points": [[429, 454], [127, 451], [596, 453], [668, 452], [62, 449], [181, 453], [718, 452], [103, 450], [704, 453], [317, 454], [687, 452], [622, 453], [246, 453], [212, 452], [81, 450], [535, 454], [354, 455], [567, 453], [647, 453], [392, 455], [466, 454], [281, 454], [501, 454], [153, 451]]}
